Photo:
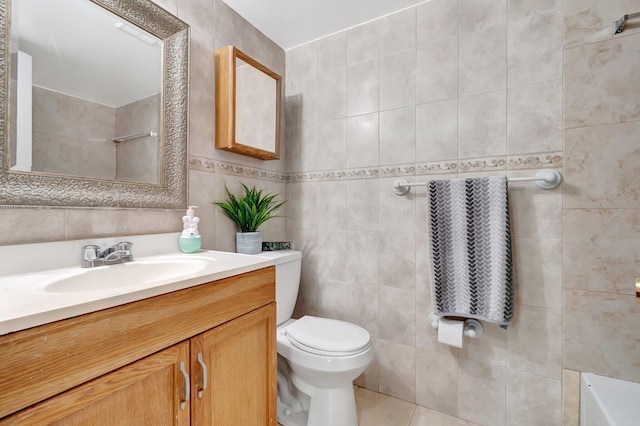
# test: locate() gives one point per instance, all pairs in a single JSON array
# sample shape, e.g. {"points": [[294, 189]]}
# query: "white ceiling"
{"points": [[293, 22], [77, 50]]}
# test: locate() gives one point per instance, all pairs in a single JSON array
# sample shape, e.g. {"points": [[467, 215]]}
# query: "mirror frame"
{"points": [[19, 188], [226, 104]]}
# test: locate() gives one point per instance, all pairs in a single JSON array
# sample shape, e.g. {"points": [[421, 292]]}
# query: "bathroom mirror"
{"points": [[247, 105], [95, 96]]}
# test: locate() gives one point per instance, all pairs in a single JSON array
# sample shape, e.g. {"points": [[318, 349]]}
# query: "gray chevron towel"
{"points": [[471, 265]]}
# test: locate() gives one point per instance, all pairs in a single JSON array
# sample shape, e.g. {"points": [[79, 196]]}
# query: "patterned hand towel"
{"points": [[471, 265]]}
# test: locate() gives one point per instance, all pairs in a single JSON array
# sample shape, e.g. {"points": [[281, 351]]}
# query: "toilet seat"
{"points": [[328, 337]]}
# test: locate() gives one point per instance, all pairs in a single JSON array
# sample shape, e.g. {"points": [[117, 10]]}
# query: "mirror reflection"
{"points": [[85, 94], [255, 107], [247, 105]]}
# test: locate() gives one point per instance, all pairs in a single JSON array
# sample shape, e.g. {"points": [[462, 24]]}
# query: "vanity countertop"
{"points": [[36, 298]]}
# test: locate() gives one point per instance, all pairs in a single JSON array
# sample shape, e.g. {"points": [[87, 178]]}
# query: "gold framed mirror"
{"points": [[164, 184], [247, 105]]}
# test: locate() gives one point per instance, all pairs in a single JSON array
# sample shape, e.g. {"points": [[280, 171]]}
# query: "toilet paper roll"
{"points": [[451, 332]]}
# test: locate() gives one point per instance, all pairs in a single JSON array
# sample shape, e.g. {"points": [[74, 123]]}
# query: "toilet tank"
{"points": [[288, 264]]}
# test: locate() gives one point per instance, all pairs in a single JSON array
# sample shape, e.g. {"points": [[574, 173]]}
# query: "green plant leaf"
{"points": [[250, 210]]}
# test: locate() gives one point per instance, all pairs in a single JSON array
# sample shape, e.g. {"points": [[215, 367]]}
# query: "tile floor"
{"points": [[376, 409]]}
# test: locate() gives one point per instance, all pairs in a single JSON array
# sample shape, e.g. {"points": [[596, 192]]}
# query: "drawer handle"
{"points": [[204, 374], [187, 386]]}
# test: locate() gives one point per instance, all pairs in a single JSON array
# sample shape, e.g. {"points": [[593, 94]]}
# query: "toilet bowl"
{"points": [[318, 358]]}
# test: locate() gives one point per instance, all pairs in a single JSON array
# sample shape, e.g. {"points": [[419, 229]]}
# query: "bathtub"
{"points": [[608, 402]]}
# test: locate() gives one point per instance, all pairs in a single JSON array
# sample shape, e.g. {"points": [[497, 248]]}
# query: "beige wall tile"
{"points": [[397, 136], [398, 80], [602, 165], [362, 204], [481, 392], [227, 25], [437, 70], [332, 255], [437, 381], [482, 125], [362, 88], [531, 398], [332, 149], [16, 224], [570, 398], [601, 250], [606, 321], [396, 214], [437, 131], [535, 49], [538, 271], [198, 13], [483, 60], [589, 21], [436, 19], [397, 259], [362, 43], [397, 316], [523, 8], [534, 341], [332, 200], [332, 51], [302, 207], [362, 140], [397, 365], [491, 347], [332, 99], [398, 32], [369, 379], [361, 305], [597, 81], [331, 296], [534, 213], [476, 15], [82, 223], [534, 118], [362, 257]]}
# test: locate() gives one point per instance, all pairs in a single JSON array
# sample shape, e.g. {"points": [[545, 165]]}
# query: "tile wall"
{"points": [[213, 24], [601, 251], [444, 89]]}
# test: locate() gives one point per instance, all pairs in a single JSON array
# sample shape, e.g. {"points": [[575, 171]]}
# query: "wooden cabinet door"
{"points": [[147, 392], [240, 362]]}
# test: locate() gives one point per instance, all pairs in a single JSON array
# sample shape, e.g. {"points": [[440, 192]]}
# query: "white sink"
{"points": [[126, 274]]}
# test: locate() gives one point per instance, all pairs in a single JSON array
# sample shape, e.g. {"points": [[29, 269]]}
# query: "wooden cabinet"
{"points": [[236, 355], [129, 365]]}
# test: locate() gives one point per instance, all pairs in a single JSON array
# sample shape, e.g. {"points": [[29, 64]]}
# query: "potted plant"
{"points": [[248, 212]]}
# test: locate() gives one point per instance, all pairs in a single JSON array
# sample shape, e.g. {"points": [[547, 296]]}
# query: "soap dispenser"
{"points": [[190, 240]]}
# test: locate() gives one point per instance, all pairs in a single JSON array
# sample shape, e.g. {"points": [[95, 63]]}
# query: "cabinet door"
{"points": [[147, 392], [238, 360]]}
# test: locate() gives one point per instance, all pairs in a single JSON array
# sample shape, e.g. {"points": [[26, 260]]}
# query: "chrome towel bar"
{"points": [[134, 136], [618, 25], [545, 179]]}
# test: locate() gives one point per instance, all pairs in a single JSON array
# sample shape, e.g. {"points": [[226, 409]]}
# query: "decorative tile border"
{"points": [[489, 164], [536, 161]]}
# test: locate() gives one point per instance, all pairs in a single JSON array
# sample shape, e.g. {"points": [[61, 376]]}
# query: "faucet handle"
{"points": [[90, 252], [124, 246]]}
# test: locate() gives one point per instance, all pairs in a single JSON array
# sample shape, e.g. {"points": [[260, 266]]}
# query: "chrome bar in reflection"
{"points": [[618, 26], [134, 136]]}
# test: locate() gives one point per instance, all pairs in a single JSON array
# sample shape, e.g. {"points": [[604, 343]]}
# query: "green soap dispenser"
{"points": [[190, 240]]}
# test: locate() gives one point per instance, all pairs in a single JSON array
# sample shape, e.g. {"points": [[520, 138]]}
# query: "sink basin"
{"points": [[126, 275]]}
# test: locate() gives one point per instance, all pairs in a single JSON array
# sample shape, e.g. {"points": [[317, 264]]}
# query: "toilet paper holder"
{"points": [[472, 327]]}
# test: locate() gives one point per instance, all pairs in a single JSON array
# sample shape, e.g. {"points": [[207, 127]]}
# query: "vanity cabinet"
{"points": [[129, 365]]}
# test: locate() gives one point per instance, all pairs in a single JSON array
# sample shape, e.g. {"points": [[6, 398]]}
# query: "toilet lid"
{"points": [[326, 336]]}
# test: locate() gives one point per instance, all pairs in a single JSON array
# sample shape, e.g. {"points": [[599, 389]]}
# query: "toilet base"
{"points": [[318, 406]]}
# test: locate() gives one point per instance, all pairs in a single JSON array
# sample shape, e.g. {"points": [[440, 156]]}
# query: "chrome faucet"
{"points": [[118, 253]]}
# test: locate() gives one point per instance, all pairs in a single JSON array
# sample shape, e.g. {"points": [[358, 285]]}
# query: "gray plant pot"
{"points": [[248, 242]]}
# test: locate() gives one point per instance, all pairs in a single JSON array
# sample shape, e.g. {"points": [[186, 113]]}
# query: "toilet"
{"points": [[318, 358]]}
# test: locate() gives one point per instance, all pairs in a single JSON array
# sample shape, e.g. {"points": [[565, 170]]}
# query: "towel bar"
{"points": [[545, 179]]}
